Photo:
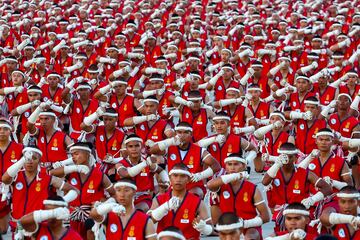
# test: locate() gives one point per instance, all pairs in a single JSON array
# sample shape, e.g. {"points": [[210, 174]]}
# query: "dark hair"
{"points": [[228, 218]]}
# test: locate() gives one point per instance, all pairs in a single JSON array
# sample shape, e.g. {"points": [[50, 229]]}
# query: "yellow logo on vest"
{"points": [[125, 107], [332, 168], [13, 156], [191, 162], [246, 198], [55, 144], [91, 186], [296, 185], [38, 187], [185, 217], [132, 231], [229, 148], [113, 147]]}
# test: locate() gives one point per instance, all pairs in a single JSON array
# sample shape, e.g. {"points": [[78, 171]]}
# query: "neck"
{"points": [[4, 143], [31, 174], [135, 159], [324, 154], [57, 228], [288, 167], [179, 193]]}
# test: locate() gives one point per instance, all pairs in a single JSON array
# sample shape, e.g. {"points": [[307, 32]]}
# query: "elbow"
{"points": [[6, 179]]}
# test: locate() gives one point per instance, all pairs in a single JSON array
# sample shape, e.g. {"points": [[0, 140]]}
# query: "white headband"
{"points": [[183, 128], [277, 114], [318, 134], [80, 148], [83, 87], [254, 89], [233, 89], [346, 95], [51, 114], [170, 234], [31, 149], [5, 125], [348, 195], [227, 227], [56, 203], [311, 102], [118, 82], [288, 152], [110, 114], [151, 100], [296, 211], [34, 91], [237, 159], [133, 139], [221, 118], [194, 98], [125, 184], [180, 171]]}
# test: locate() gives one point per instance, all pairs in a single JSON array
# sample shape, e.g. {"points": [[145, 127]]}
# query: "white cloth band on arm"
{"points": [[91, 118], [105, 89], [8, 90], [43, 215], [148, 93], [139, 119], [160, 211], [205, 142], [104, 208], [226, 102], [260, 132], [355, 103], [338, 218], [272, 171], [207, 173], [15, 168], [254, 222], [338, 185], [296, 115], [34, 116], [70, 169], [163, 175], [164, 144], [70, 196], [180, 100], [354, 143], [251, 156], [228, 178], [282, 237], [135, 170], [23, 108]]}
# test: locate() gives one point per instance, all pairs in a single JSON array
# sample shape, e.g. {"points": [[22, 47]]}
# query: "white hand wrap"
{"points": [[163, 209], [202, 175], [205, 142], [249, 129], [179, 65], [338, 218], [164, 144], [260, 132], [8, 90], [251, 156], [272, 171], [275, 69], [355, 103], [354, 143], [254, 222], [228, 178], [135, 170], [181, 101], [203, 228], [15, 168], [226, 102]]}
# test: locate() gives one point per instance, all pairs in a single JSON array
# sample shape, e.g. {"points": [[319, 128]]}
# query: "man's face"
{"points": [[155, 84], [295, 221], [230, 94], [338, 61], [150, 108], [179, 181], [120, 89], [312, 108], [255, 94], [4, 133], [185, 136], [234, 167], [343, 103], [31, 165], [110, 122], [17, 78], [11, 65], [53, 81], [161, 65], [324, 143], [302, 85], [124, 195], [47, 122], [84, 94], [80, 157], [133, 149], [34, 96], [230, 235], [221, 126], [225, 56], [348, 206]]}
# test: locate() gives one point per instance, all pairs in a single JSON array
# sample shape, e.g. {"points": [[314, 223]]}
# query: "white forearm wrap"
{"points": [[338, 185], [325, 112], [160, 212], [290, 48], [148, 93], [135, 170], [15, 168], [275, 69], [43, 215], [23, 108], [251, 156], [355, 103], [180, 100], [70, 196], [305, 162], [163, 175], [296, 115], [104, 208], [306, 69], [8, 90], [280, 92], [120, 72], [71, 84], [82, 43], [248, 129], [29, 62], [34, 116], [210, 52], [260, 132], [244, 53], [228, 178], [226, 102], [139, 119], [105, 60], [214, 79], [57, 108], [254, 222], [91, 118], [317, 197], [207, 173], [338, 218], [339, 81], [74, 67], [179, 65], [282, 237], [68, 161], [245, 78], [354, 143], [60, 44], [353, 57], [205, 142], [104, 90], [70, 169], [45, 45], [272, 171], [164, 144]]}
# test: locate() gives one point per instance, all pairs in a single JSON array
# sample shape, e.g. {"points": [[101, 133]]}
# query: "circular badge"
{"points": [[187, 115], [42, 139], [114, 105], [220, 88], [73, 181], [102, 138], [113, 228], [109, 67], [142, 127], [19, 186], [75, 73], [44, 237], [173, 157], [302, 126], [226, 194], [312, 166], [333, 121], [294, 104], [78, 110], [10, 97], [341, 233], [294, 59], [277, 182], [240, 64], [45, 99], [277, 78], [27, 114], [214, 147], [186, 94]]}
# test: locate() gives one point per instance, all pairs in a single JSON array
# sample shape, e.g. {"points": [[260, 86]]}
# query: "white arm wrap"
{"points": [[163, 175], [70, 196], [251, 156], [104, 90], [296, 115], [272, 171], [260, 132], [91, 118], [274, 70], [226, 102], [139, 119], [23, 108], [338, 218], [160, 212], [104, 208], [355, 104], [164, 144], [254, 222], [135, 170], [205, 142], [245, 78], [33, 117], [8, 90], [148, 93], [70, 169], [207, 173], [15, 168], [43, 215], [228, 178], [180, 100], [305, 162], [179, 65], [338, 185], [354, 143]]}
